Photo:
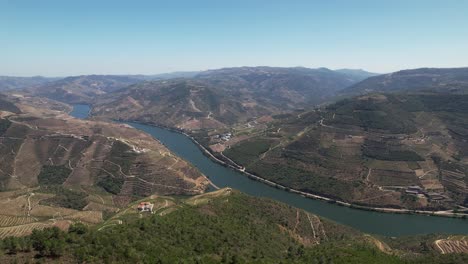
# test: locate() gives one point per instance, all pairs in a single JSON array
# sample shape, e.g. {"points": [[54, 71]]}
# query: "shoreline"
{"points": [[210, 155]]}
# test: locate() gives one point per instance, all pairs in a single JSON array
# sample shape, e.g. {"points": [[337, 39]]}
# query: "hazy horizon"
{"points": [[182, 71], [61, 38]]}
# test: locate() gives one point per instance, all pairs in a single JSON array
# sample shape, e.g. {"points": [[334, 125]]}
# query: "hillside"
{"points": [[221, 227], [285, 87], [53, 166], [380, 150], [83, 89], [16, 83], [185, 104], [454, 80], [221, 98]]}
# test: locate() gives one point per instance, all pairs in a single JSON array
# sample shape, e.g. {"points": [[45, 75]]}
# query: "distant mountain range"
{"points": [[357, 73], [11, 83], [290, 87], [454, 80], [80, 89], [217, 98]]}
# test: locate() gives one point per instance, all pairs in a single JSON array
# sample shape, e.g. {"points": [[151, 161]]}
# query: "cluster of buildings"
{"points": [[224, 137], [419, 191]]}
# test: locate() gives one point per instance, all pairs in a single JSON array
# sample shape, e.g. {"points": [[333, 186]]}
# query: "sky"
{"points": [[62, 38]]}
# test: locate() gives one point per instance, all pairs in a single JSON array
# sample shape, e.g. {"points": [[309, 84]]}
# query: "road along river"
{"points": [[387, 224]]}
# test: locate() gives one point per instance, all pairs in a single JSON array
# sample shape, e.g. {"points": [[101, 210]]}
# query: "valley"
{"points": [[234, 132], [389, 152]]}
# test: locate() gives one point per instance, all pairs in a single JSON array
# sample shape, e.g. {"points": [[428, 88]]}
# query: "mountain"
{"points": [[220, 98], [224, 226], [83, 89], [454, 80], [293, 87], [53, 165], [172, 75], [181, 103], [16, 83], [379, 150], [357, 73]]}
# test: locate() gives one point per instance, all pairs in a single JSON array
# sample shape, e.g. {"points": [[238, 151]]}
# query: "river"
{"points": [[367, 221]]}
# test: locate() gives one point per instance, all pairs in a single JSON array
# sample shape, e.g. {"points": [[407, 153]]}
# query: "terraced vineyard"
{"points": [[22, 230], [452, 245], [8, 220]]}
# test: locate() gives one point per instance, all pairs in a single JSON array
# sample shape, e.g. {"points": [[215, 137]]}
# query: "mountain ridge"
{"points": [[453, 80]]}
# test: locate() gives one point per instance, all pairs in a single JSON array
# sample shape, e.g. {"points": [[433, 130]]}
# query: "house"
{"points": [[145, 207]]}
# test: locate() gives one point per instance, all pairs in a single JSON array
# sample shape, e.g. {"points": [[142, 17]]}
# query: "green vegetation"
{"points": [[327, 151], [121, 155], [379, 151], [248, 151], [6, 105], [53, 175], [64, 197], [110, 184], [303, 180], [51, 179], [381, 112], [4, 125], [232, 228]]}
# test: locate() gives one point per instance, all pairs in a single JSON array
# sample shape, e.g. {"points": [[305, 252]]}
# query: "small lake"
{"points": [[366, 221]]}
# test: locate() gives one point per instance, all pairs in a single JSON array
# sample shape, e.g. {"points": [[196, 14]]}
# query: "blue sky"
{"points": [[58, 38]]}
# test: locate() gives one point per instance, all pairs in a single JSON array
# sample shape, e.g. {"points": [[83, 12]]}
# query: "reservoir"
{"points": [[367, 221]]}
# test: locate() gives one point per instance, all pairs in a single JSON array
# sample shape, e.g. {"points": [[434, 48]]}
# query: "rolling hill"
{"points": [[83, 89], [286, 87], [453, 80], [17, 83]]}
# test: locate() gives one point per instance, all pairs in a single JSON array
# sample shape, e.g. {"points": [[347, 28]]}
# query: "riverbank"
{"points": [[241, 170]]}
